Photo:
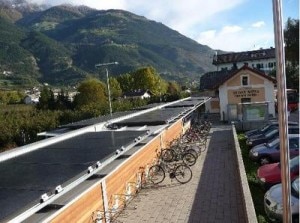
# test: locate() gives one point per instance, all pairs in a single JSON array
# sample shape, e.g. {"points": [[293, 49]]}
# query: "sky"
{"points": [[229, 25]]}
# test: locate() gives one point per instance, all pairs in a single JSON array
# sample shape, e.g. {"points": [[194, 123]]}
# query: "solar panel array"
{"points": [[156, 117], [87, 122], [25, 178]]}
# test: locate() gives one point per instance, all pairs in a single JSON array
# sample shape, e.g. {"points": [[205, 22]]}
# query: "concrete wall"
{"points": [[248, 202]]}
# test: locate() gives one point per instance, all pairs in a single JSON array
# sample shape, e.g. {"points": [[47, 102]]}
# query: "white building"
{"points": [[262, 59], [244, 94]]}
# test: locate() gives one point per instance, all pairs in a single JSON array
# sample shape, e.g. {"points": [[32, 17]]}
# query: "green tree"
{"points": [[115, 88], [148, 79], [91, 94], [292, 76], [126, 82], [291, 38], [173, 88], [44, 98]]}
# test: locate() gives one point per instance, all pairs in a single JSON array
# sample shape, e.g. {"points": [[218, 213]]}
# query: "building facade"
{"points": [[244, 94], [262, 59]]}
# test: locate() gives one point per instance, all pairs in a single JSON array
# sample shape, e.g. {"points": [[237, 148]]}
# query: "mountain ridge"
{"points": [[86, 36]]}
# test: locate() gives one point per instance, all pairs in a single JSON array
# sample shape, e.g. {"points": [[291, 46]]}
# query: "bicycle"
{"points": [[100, 216], [176, 152], [180, 171]]}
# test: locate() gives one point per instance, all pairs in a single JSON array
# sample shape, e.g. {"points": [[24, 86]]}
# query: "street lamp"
{"points": [[107, 79]]}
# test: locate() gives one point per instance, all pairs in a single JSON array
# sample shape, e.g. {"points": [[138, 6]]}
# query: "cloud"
{"points": [[231, 29], [235, 38], [205, 21], [258, 24], [182, 16]]}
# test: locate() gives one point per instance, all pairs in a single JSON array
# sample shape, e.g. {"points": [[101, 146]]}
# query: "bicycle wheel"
{"points": [[193, 151], [156, 174], [168, 155], [189, 159], [183, 173]]}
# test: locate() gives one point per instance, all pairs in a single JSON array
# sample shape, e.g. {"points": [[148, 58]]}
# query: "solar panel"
{"points": [[25, 178], [156, 117]]}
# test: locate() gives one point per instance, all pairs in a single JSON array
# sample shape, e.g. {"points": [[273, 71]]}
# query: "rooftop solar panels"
{"points": [[187, 103], [191, 102], [25, 178], [156, 117], [96, 120]]}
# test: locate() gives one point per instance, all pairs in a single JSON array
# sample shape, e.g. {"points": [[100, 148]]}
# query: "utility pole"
{"points": [[107, 80], [282, 112]]}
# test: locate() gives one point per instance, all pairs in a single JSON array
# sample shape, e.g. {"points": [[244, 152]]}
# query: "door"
{"points": [[232, 111]]}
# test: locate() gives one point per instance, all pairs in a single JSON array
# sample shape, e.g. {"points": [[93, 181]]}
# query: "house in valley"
{"points": [[138, 94]]}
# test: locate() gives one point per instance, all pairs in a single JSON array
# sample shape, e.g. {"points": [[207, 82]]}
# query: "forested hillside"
{"points": [[62, 45]]}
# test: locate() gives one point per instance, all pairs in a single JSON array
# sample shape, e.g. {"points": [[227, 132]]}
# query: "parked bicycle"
{"points": [[178, 153], [180, 171]]}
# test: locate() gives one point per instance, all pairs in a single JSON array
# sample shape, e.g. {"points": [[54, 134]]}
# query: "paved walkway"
{"points": [[211, 196]]}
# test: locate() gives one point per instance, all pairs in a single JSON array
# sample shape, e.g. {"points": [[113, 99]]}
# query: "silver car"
{"points": [[273, 202]]}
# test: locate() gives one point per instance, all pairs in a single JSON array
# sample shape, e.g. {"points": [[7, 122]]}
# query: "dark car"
{"points": [[270, 125], [269, 136], [270, 152]]}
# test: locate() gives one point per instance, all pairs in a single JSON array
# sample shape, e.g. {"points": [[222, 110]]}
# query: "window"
{"points": [[271, 65], [245, 81], [294, 143], [245, 100]]}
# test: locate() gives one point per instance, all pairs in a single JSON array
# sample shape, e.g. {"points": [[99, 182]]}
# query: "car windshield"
{"points": [[295, 187], [264, 128], [270, 133], [294, 162], [273, 142]]}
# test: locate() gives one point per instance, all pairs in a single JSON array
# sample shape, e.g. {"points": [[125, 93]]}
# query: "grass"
{"points": [[257, 191]]}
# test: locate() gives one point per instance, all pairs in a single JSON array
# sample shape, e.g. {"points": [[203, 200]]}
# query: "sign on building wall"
{"points": [[254, 94], [247, 93]]}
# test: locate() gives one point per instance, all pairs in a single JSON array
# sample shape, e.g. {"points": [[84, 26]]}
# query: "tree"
{"points": [[115, 88], [44, 98], [173, 88], [91, 93], [148, 79], [126, 82], [291, 38]]}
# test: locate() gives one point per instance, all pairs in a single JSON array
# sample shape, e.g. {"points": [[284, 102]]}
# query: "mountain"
{"points": [[62, 44]]}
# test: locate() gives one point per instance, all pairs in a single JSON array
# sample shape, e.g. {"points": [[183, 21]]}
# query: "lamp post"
{"points": [[107, 80]]}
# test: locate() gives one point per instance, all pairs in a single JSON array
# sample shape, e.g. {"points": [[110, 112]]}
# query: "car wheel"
{"points": [[264, 160]]}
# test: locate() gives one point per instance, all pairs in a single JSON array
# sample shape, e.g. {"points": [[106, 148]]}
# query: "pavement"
{"points": [[212, 196]]}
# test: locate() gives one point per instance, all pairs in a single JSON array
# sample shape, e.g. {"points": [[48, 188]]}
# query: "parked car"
{"points": [[269, 136], [270, 125], [270, 152], [270, 174], [273, 202]]}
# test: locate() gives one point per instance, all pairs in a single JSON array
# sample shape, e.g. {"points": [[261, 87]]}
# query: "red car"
{"points": [[270, 174]]}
